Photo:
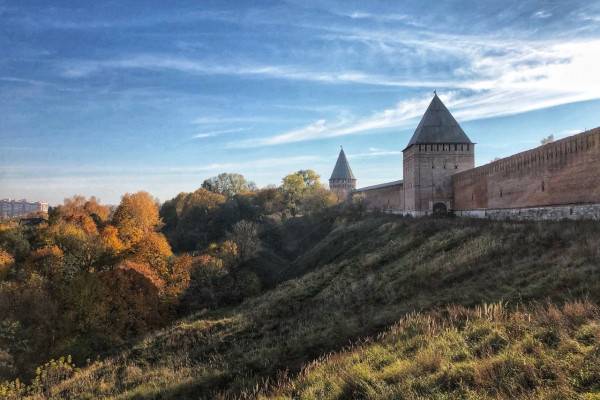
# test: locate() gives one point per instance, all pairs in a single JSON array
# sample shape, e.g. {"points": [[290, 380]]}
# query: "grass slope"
{"points": [[482, 353], [357, 281]]}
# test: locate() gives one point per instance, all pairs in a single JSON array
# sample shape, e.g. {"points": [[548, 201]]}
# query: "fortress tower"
{"points": [[342, 181], [438, 149]]}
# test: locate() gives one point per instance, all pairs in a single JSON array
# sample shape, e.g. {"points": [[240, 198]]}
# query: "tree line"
{"points": [[91, 277]]}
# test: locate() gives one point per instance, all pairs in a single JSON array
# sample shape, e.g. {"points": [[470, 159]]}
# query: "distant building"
{"points": [[15, 208], [342, 181]]}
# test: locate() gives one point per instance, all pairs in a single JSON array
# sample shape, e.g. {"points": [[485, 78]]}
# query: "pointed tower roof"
{"points": [[342, 168], [438, 126]]}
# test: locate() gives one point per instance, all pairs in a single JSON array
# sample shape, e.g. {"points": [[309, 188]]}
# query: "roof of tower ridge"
{"points": [[438, 126], [342, 168]]}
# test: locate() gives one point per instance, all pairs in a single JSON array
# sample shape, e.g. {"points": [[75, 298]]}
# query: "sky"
{"points": [[108, 97]]}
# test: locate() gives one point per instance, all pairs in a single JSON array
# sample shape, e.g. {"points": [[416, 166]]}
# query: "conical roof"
{"points": [[438, 126], [342, 168]]}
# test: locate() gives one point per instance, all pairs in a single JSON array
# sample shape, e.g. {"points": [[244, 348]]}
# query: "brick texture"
{"points": [[562, 172]]}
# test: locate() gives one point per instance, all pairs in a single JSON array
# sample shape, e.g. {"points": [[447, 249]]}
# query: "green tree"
{"points": [[298, 186], [310, 177]]}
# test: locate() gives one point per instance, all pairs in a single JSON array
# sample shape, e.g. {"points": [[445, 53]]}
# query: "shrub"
{"points": [[51, 374]]}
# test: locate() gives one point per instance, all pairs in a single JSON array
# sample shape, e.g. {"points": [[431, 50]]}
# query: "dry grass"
{"points": [[438, 356]]}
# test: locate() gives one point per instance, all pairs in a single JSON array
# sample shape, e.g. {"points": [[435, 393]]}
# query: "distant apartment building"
{"points": [[15, 208]]}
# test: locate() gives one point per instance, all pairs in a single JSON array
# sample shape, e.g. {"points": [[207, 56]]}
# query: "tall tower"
{"points": [[342, 181], [438, 149]]}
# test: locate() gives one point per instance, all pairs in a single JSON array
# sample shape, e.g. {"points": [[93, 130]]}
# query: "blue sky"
{"points": [[102, 98]]}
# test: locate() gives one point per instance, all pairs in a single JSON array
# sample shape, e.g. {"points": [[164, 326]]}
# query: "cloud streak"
{"points": [[204, 135], [523, 77], [54, 171], [81, 69]]}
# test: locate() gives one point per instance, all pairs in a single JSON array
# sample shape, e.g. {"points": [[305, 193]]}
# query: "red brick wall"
{"points": [[566, 171], [385, 198]]}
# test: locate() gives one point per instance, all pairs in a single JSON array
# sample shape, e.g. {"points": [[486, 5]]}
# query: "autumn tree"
{"points": [[270, 200], [178, 277], [13, 239], [311, 178], [317, 199], [133, 298], [154, 250], [88, 214], [48, 261], [6, 262], [136, 216], [191, 219], [245, 236], [111, 241], [228, 184], [207, 283], [300, 186]]}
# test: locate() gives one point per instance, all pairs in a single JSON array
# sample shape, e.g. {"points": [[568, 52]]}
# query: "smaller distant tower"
{"points": [[342, 181]]}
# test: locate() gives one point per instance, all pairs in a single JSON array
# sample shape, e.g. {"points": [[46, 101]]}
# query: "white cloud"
{"points": [[203, 135], [519, 77], [80, 69], [487, 76], [31, 171], [375, 153], [542, 14], [224, 120]]}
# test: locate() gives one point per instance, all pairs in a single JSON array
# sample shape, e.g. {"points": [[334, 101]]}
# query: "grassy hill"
{"points": [[487, 352], [359, 280]]}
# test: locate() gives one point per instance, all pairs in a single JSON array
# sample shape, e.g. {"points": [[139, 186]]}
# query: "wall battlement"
{"points": [[561, 172], [547, 154]]}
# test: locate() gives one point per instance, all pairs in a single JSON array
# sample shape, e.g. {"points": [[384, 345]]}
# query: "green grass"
{"points": [[458, 353], [358, 281]]}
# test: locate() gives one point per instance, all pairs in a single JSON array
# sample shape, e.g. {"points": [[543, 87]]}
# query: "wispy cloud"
{"points": [[375, 152], [31, 171], [225, 120], [400, 115], [523, 76], [58, 19], [542, 14], [80, 69], [203, 135]]}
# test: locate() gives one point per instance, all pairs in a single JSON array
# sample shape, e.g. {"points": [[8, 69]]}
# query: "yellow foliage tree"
{"points": [[136, 216], [154, 250], [179, 276], [6, 262], [110, 239]]}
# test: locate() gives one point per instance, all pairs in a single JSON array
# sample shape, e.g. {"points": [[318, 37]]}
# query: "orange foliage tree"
{"points": [[88, 214], [178, 280], [6, 262], [133, 296], [135, 217], [110, 239], [153, 250]]}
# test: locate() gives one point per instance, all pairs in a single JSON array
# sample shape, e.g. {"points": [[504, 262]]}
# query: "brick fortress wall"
{"points": [[558, 173], [387, 196]]}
